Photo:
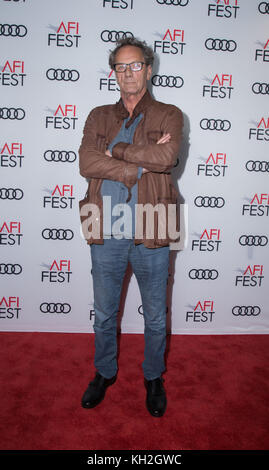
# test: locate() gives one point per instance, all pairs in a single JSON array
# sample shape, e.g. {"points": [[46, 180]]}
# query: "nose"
{"points": [[128, 71]]}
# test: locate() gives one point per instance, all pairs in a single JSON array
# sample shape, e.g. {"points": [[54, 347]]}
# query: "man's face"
{"points": [[134, 83]]}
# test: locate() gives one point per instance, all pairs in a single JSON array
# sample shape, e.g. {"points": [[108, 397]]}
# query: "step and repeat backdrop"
{"points": [[212, 61]]}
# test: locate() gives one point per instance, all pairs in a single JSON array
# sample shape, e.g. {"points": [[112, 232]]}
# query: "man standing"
{"points": [[127, 153]]}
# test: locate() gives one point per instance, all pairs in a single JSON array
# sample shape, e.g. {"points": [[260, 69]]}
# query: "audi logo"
{"points": [[114, 36], [263, 8], [215, 124], [10, 268], [13, 30], [60, 156], [57, 234], [12, 113], [260, 88], [209, 201], [203, 274], [140, 310], [63, 74], [167, 81], [55, 307], [257, 165], [246, 310], [253, 240], [11, 193], [220, 45], [181, 3]]}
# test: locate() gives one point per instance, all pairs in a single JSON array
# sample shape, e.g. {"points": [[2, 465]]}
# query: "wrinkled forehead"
{"points": [[127, 54]]}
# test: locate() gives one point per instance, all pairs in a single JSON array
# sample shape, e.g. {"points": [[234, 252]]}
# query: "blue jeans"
{"points": [[150, 266]]}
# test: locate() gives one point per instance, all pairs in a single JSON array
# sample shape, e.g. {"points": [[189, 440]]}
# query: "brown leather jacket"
{"points": [[154, 186]]}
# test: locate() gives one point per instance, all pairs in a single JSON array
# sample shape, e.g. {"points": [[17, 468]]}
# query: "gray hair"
{"points": [[131, 41]]}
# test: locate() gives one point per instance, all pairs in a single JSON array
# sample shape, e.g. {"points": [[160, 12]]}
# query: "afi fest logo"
{"points": [[261, 132], [67, 35], [172, 42], [219, 87], [263, 54], [258, 206], [12, 73], [208, 241], [223, 8], [61, 197], [215, 165], [58, 272], [251, 277], [10, 308], [10, 233], [11, 155], [202, 312], [108, 83], [63, 118], [122, 4]]}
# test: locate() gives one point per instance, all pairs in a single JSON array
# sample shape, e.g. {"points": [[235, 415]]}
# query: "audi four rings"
{"points": [[62, 74], [114, 36], [257, 165], [11, 193], [263, 8], [253, 240], [167, 81], [182, 3], [60, 156], [215, 124], [52, 307], [57, 234], [10, 268], [13, 30], [220, 44], [260, 88], [203, 274], [209, 201], [12, 113], [246, 310]]}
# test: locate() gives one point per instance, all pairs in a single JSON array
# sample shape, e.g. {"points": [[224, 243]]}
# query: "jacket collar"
{"points": [[141, 106]]}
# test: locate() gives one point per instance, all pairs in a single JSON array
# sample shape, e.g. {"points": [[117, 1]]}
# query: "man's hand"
{"points": [[107, 152], [163, 140]]}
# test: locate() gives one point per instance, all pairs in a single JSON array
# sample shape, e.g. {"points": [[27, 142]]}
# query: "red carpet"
{"points": [[217, 388]]}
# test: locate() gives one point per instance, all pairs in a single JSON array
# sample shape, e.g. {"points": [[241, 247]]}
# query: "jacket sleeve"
{"points": [[94, 163], [155, 157]]}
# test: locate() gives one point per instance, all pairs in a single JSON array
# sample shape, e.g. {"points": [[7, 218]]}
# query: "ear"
{"points": [[149, 71]]}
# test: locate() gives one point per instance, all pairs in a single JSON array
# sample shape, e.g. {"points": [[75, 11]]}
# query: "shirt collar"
{"points": [[141, 106]]}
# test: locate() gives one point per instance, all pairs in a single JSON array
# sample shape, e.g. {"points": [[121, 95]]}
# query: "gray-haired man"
{"points": [[127, 151]]}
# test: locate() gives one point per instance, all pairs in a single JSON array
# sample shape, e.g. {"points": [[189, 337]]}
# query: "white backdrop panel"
{"points": [[211, 61]]}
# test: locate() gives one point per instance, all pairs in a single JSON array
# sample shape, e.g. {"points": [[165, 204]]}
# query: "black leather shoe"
{"points": [[156, 397], [96, 390]]}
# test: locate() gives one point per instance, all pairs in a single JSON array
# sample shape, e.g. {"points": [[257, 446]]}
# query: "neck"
{"points": [[130, 100]]}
